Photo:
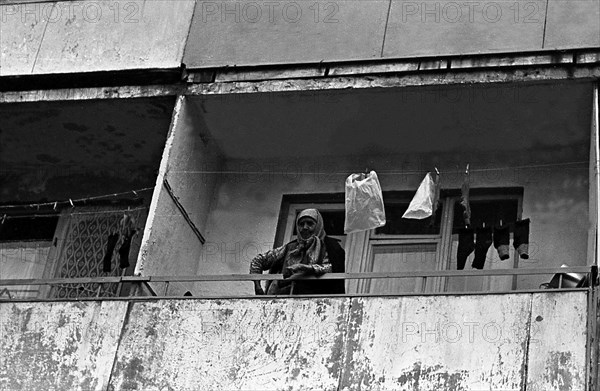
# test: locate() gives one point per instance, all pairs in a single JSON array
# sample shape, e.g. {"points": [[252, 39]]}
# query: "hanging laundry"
{"points": [[466, 246], [128, 230], [422, 204], [436, 197], [501, 241], [364, 203], [110, 248], [483, 241], [521, 238], [464, 197], [124, 252]]}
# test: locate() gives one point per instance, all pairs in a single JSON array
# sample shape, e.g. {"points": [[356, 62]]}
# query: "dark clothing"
{"points": [[110, 248], [337, 259], [332, 259]]}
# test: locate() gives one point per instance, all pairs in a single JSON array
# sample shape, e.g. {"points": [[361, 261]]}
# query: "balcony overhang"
{"points": [[579, 64]]}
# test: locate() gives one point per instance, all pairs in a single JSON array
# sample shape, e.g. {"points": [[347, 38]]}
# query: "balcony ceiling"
{"points": [[97, 147], [451, 119]]}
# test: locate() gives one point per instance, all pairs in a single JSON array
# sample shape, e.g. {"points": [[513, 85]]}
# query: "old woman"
{"points": [[310, 255]]}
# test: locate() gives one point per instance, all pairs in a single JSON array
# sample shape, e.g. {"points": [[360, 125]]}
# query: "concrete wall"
{"points": [[170, 246], [239, 33], [68, 37], [537, 341]]}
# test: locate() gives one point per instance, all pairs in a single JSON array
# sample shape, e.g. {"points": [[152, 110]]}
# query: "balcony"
{"points": [[542, 339], [227, 187]]}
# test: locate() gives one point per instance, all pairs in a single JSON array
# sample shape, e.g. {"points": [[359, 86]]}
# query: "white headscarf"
{"points": [[311, 246]]}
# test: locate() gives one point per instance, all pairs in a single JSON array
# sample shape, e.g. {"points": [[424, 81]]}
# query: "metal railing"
{"points": [[587, 273]]}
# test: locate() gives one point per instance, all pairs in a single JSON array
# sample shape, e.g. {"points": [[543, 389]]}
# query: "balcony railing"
{"points": [[580, 277]]}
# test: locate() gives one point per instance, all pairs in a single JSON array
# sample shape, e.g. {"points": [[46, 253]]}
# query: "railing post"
{"points": [[560, 279]]}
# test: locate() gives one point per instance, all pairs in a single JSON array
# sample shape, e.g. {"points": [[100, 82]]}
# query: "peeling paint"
{"points": [[559, 371], [295, 344], [58, 345]]}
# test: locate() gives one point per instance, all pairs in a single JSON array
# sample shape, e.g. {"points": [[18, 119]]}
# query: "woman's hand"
{"points": [[297, 268]]}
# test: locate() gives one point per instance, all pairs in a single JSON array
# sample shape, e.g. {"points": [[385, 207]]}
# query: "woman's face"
{"points": [[306, 227]]}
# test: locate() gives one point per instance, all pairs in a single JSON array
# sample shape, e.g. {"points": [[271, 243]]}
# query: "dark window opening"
{"points": [[396, 225], [490, 212], [28, 228]]}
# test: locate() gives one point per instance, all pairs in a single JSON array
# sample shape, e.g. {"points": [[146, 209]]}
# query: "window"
{"points": [[411, 245], [15, 228], [25, 242]]}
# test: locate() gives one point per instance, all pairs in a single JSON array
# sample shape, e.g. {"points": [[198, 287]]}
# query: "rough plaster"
{"points": [[69, 37], [171, 247], [383, 29], [440, 342]]}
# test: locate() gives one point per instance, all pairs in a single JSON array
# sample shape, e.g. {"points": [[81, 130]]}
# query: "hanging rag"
{"points": [[422, 204], [364, 203], [464, 198], [501, 241], [483, 241], [436, 197], [110, 248], [128, 230], [466, 246], [521, 238]]}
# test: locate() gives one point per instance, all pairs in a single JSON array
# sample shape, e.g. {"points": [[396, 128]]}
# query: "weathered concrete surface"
{"points": [[189, 151], [20, 40], [437, 343], [58, 346], [558, 328], [67, 36], [229, 33], [232, 345], [572, 24], [398, 343], [447, 27], [240, 33]]}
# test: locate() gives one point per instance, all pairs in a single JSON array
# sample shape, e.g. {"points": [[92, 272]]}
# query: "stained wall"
{"points": [[437, 342]]}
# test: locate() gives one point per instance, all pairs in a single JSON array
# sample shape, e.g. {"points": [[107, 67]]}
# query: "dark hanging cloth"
{"points": [[501, 241], [436, 198], [110, 248], [124, 249], [464, 198], [521, 238], [483, 242], [465, 246]]}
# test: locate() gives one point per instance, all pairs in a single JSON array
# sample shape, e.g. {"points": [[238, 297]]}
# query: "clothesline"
{"points": [[29, 216], [71, 202], [379, 172]]}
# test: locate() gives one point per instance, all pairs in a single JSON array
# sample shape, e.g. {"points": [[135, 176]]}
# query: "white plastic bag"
{"points": [[421, 206], [364, 203]]}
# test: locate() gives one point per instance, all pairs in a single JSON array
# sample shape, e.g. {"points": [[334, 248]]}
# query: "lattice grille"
{"points": [[84, 248]]}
